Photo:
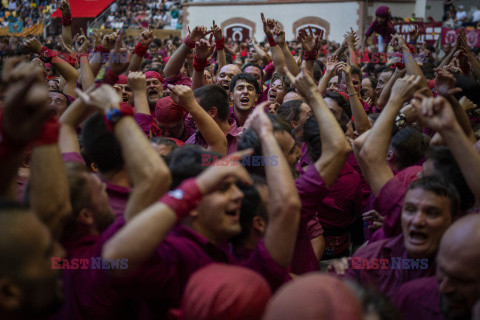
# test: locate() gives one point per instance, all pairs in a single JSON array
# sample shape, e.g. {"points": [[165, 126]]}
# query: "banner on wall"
{"points": [[450, 36], [35, 30], [429, 32]]}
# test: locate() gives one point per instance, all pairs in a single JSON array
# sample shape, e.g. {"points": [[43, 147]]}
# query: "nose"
{"points": [[237, 194], [419, 219]]}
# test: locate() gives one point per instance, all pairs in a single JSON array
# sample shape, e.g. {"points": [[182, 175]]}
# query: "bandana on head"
{"points": [[122, 79], [168, 112], [155, 75], [221, 292]]}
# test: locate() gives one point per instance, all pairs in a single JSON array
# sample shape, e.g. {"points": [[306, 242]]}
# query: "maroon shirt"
{"points": [[232, 138], [161, 280], [386, 30], [389, 202], [388, 280], [419, 299], [311, 189]]}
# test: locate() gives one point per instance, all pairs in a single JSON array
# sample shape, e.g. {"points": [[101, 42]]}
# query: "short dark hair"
{"points": [[409, 146], [311, 136], [277, 76], [253, 64], [446, 166], [213, 95], [290, 110], [341, 101], [440, 187], [246, 77], [373, 81], [356, 70], [101, 146], [186, 162]]}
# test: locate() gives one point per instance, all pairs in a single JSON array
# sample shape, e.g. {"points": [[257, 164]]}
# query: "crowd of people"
{"points": [[200, 178], [158, 14], [29, 12]]}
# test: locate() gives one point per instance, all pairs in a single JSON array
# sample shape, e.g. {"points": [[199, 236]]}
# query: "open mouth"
{"points": [[125, 98], [233, 213], [244, 101], [225, 85], [152, 94], [417, 237], [272, 95]]}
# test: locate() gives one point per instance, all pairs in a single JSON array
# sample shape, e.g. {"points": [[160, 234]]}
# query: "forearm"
{"points": [[323, 83], [87, 78], [198, 78], [466, 156], [354, 59], [284, 204], [335, 147], [263, 55], [67, 36], [290, 60], [360, 118], [222, 59], [414, 69], [8, 174], [69, 121], [462, 118], [211, 132], [65, 69], [148, 172], [340, 50], [175, 63], [49, 190], [96, 63], [135, 63], [385, 94], [278, 59], [140, 101], [138, 240], [447, 59]]}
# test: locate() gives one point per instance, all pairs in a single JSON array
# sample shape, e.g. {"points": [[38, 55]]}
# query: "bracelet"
{"points": [[199, 64], [106, 75], [67, 20], [352, 94], [220, 44], [184, 198], [140, 50], [46, 55], [113, 115], [8, 146], [189, 42], [271, 42], [310, 55], [49, 132]]}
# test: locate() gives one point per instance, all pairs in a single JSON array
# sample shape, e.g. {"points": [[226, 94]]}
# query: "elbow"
{"points": [[160, 178], [289, 207]]}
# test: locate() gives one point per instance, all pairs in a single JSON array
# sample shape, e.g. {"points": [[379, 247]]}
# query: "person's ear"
{"points": [[259, 224], [213, 112], [231, 96], [10, 295], [390, 156], [86, 217], [294, 124], [93, 167]]}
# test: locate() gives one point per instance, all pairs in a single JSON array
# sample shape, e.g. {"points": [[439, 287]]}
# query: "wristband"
{"points": [[352, 94], [67, 20], [412, 42], [189, 42], [46, 55], [49, 132], [140, 50], [113, 115], [220, 44], [271, 42], [101, 49], [106, 75], [310, 55], [8, 146], [183, 199], [199, 64]]}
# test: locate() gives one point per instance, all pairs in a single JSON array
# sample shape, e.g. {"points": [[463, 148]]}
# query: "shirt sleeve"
{"points": [[72, 157], [371, 29], [179, 79]]}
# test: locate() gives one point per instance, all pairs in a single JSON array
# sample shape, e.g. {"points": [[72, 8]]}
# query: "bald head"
{"points": [[457, 271]]}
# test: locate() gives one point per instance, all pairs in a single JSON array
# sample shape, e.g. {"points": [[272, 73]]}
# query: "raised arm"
{"points": [[335, 147], [372, 156], [101, 50], [138, 240], [310, 44], [330, 72], [146, 38], [87, 79], [66, 23], [147, 170], [360, 117], [22, 116], [203, 50], [176, 61], [385, 95], [284, 202], [220, 46], [138, 84], [277, 55], [211, 132], [279, 38], [437, 114]]}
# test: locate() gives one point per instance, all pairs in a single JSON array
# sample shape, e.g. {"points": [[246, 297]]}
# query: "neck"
{"points": [[224, 125], [250, 242], [205, 233], [119, 178], [242, 115]]}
